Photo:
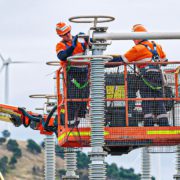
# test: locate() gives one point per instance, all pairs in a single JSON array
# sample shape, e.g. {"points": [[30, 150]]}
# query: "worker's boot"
{"points": [[163, 121], [148, 122]]}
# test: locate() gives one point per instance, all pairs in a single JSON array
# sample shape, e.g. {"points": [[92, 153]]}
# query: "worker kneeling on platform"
{"points": [[77, 76], [150, 75]]}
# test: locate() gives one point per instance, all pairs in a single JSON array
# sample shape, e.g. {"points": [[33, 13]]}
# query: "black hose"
{"points": [[24, 122], [31, 118], [50, 128]]}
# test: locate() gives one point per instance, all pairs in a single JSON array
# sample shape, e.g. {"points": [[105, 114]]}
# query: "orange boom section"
{"points": [[139, 110], [19, 116]]}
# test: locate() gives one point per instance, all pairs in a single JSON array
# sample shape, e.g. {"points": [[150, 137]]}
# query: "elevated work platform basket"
{"points": [[131, 102]]}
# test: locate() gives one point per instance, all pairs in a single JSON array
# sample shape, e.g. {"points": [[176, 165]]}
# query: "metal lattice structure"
{"points": [[50, 163], [177, 175], [146, 164]]}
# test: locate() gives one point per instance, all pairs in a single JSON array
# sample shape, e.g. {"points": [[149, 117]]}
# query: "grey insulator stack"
{"points": [[70, 157], [97, 168], [146, 165], [177, 176], [50, 160], [97, 102]]}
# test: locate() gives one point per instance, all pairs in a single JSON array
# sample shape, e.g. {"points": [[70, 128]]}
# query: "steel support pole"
{"points": [[70, 158], [6, 84], [146, 164], [135, 35], [97, 168], [50, 158]]}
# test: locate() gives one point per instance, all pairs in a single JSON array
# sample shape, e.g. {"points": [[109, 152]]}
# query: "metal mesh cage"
{"points": [[77, 88], [140, 109], [150, 85], [169, 76]]}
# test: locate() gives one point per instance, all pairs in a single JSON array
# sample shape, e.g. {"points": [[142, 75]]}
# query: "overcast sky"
{"points": [[27, 33]]}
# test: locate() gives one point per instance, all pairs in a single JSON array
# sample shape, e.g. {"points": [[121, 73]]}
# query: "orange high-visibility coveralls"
{"points": [[142, 53]]}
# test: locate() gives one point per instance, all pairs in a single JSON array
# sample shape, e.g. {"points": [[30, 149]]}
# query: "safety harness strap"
{"points": [[78, 85], [155, 58], [154, 52], [149, 84], [68, 67]]}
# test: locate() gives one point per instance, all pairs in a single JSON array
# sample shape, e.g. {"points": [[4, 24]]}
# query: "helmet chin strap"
{"points": [[69, 39]]}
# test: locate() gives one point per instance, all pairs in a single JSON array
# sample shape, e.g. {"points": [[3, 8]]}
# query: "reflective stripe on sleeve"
{"points": [[124, 59]]}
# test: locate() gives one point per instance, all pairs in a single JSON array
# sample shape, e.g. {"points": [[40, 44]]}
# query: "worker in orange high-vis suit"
{"points": [[151, 77], [69, 44], [76, 76]]}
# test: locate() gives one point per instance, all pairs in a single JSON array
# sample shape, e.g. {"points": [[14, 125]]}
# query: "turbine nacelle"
{"points": [[7, 62]]}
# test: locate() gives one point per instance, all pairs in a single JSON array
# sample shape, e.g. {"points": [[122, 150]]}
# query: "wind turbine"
{"points": [[6, 63]]}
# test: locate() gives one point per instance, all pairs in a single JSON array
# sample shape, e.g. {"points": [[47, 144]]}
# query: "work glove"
{"points": [[85, 38], [74, 42]]}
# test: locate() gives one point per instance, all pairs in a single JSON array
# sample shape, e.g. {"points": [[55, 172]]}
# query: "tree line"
{"points": [[113, 171]]}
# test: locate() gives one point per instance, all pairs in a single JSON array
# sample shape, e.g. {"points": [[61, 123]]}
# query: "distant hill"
{"points": [[24, 166], [30, 166]]}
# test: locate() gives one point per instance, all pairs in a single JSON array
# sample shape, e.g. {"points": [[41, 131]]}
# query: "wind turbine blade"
{"points": [[26, 62], [2, 58], [51, 73], [1, 68]]}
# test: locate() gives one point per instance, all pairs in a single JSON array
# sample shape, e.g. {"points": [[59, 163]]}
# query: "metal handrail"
{"points": [[88, 58], [53, 63], [42, 96], [94, 18]]}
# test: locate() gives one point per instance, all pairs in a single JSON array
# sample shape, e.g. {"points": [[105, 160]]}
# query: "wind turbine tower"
{"points": [[5, 65]]}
